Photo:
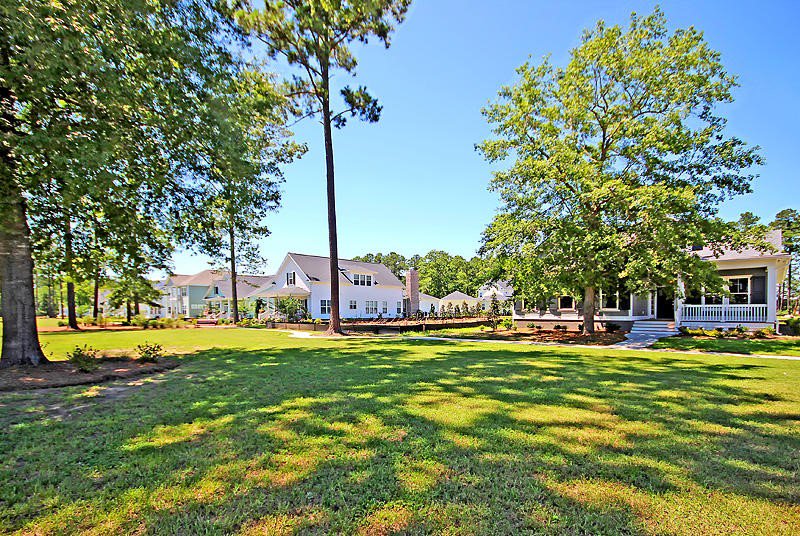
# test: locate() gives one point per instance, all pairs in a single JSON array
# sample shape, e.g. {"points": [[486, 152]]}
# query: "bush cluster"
{"points": [[84, 358], [150, 352], [739, 332]]}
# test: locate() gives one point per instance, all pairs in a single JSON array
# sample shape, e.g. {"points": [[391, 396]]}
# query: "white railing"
{"points": [[724, 313]]}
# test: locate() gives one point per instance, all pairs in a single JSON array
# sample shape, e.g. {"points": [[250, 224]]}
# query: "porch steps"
{"points": [[664, 328]]}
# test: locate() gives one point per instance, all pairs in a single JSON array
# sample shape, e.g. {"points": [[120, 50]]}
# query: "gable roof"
{"points": [[423, 296], [317, 268], [246, 284], [773, 236], [458, 295]]}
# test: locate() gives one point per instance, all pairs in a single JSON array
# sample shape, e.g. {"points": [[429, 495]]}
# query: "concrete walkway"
{"points": [[641, 341], [617, 346]]}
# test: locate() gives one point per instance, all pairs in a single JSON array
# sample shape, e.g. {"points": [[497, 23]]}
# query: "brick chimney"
{"points": [[412, 291]]}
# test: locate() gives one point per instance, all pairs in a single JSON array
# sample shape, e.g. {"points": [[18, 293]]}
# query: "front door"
{"points": [[665, 305]]}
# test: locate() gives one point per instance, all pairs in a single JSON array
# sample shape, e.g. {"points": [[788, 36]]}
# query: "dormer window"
{"points": [[290, 278], [362, 280]]}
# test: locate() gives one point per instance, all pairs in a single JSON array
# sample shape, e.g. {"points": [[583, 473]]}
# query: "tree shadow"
{"points": [[415, 436]]}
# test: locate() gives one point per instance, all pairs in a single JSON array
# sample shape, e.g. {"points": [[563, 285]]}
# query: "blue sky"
{"points": [[413, 182]]}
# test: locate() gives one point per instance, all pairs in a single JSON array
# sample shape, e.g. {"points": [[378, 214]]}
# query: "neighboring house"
{"points": [[502, 290], [458, 298], [219, 296], [206, 292], [366, 290], [426, 301], [752, 278], [146, 309]]}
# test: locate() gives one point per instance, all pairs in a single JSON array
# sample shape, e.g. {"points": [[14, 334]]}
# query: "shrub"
{"points": [[534, 326], [85, 359], [88, 321], [612, 327], [683, 330], [763, 333], [63, 323], [716, 333], [794, 325], [507, 323], [559, 327], [150, 352], [580, 327]]}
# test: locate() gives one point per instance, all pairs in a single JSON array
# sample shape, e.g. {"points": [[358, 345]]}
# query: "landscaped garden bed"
{"points": [[600, 338], [64, 373]]}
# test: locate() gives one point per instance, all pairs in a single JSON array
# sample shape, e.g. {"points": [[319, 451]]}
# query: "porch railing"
{"points": [[724, 313]]}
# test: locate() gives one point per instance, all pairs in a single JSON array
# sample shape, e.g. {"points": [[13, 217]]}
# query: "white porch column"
{"points": [[772, 295], [679, 301]]}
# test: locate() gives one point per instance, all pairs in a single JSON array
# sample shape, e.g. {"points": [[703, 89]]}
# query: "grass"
{"points": [[778, 346], [260, 433]]}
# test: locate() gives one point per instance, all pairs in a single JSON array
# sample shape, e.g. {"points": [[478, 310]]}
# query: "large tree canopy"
{"points": [[618, 163], [102, 107]]}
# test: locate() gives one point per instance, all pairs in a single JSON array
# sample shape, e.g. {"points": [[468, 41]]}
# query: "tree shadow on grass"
{"points": [[405, 436]]}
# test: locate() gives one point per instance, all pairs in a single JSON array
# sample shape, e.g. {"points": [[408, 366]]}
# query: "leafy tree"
{"points": [[788, 221], [315, 35], [131, 290], [394, 261], [493, 315], [619, 163], [101, 105], [291, 308], [240, 187]]}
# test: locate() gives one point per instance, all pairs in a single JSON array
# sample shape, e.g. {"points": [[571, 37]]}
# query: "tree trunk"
{"points": [[588, 310], [20, 337], [96, 307], [136, 309], [234, 290], [128, 314], [51, 296], [334, 328], [72, 316]]}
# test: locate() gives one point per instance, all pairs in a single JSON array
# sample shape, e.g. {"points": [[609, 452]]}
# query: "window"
{"points": [[566, 302], [399, 307], [324, 307], [385, 308], [216, 291], [290, 278], [697, 248], [609, 300], [371, 307], [353, 305], [183, 291], [740, 290], [362, 280]]}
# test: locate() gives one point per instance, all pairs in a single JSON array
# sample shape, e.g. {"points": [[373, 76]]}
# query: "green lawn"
{"points": [[260, 433], [781, 346]]}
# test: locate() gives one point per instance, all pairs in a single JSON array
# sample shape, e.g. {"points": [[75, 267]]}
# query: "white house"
{"points": [[366, 290], [752, 278], [458, 298], [426, 301]]}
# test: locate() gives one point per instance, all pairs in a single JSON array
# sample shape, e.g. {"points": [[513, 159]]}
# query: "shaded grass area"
{"points": [[261, 433], [776, 346]]}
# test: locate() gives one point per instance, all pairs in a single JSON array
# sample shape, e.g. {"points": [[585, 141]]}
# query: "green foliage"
{"points": [[149, 352], [559, 327], [84, 358], [794, 325], [507, 324], [394, 261], [618, 163]]}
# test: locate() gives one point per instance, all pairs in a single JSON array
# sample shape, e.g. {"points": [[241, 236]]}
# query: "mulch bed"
{"points": [[63, 373], [601, 338]]}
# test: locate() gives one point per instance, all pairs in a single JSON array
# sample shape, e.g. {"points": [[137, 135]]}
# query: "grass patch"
{"points": [[258, 433], [775, 346]]}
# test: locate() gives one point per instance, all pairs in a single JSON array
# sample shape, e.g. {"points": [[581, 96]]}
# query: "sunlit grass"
{"points": [[780, 346], [260, 433]]}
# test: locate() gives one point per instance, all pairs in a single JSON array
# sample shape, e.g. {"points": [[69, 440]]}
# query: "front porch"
{"points": [[723, 314]]}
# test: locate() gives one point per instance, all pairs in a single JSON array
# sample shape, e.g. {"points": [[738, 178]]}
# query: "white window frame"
{"points": [[749, 292], [602, 306], [362, 280], [371, 307], [385, 308], [324, 307], [399, 307], [291, 279], [560, 308]]}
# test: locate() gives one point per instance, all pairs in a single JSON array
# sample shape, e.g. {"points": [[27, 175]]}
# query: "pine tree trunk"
{"points": [[128, 314], [51, 296], [588, 310], [72, 316], [234, 290], [334, 328], [20, 336], [136, 309]]}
